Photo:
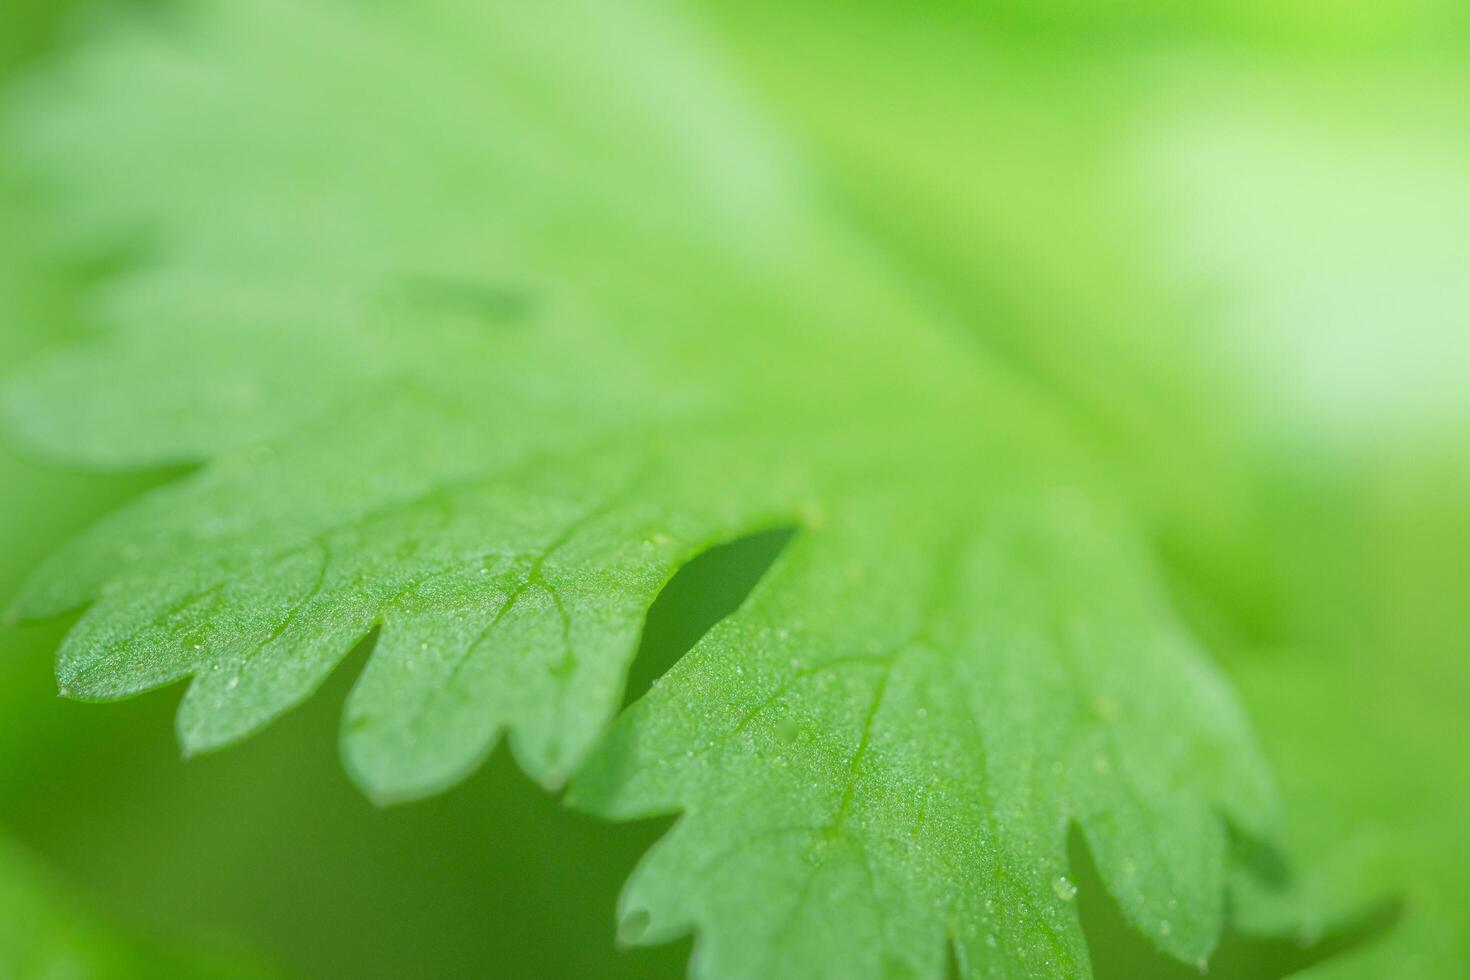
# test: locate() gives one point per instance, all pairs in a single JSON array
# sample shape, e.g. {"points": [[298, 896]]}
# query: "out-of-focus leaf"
{"points": [[45, 935]]}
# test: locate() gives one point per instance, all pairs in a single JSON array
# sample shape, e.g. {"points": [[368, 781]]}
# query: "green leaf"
{"points": [[922, 757], [480, 324]]}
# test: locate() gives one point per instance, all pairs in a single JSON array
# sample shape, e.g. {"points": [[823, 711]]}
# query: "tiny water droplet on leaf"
{"points": [[633, 926]]}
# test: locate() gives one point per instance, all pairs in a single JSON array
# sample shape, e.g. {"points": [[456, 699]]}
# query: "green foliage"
{"points": [[477, 325], [483, 388]]}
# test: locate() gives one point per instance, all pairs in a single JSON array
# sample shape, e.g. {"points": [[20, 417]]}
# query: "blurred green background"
{"points": [[1235, 236]]}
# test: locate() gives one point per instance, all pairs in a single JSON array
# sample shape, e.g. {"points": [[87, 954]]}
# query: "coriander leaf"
{"points": [[480, 324], [923, 756]]}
